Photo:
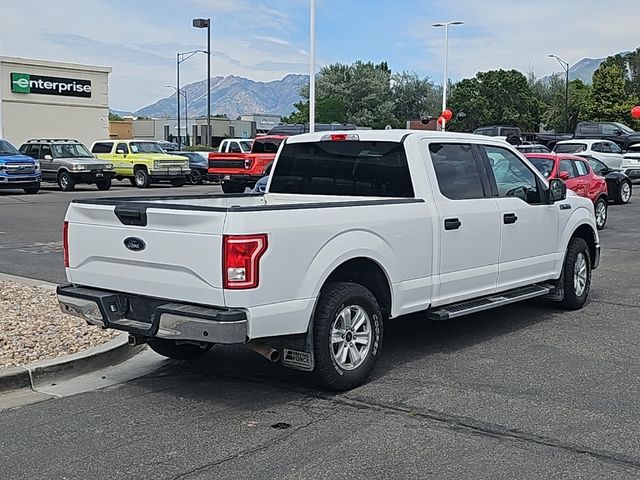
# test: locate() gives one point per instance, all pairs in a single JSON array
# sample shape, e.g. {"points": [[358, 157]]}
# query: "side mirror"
{"points": [[557, 190], [48, 157], [564, 175], [120, 151]]}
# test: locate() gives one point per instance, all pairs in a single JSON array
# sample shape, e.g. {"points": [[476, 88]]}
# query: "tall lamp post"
{"points": [[182, 57], [566, 67], [312, 67], [182, 92], [446, 61], [206, 23]]}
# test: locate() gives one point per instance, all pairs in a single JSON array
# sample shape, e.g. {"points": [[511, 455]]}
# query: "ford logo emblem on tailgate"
{"points": [[135, 244]]}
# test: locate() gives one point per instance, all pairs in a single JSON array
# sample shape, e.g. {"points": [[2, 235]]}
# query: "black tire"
{"points": [[233, 187], [104, 184], [334, 299], [178, 182], [32, 190], [184, 351], [66, 182], [142, 178], [601, 206], [132, 181], [572, 301], [624, 193], [195, 177]]}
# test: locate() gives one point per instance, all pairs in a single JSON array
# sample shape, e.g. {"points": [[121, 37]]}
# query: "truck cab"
{"points": [[18, 171], [235, 145], [143, 162]]}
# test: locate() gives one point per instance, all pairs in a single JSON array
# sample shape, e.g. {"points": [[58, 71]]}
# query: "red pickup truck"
{"points": [[237, 171]]}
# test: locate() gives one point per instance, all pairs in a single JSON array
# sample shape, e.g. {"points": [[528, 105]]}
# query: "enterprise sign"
{"points": [[66, 87]]}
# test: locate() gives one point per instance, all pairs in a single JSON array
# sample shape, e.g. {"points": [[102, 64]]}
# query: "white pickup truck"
{"points": [[355, 229]]}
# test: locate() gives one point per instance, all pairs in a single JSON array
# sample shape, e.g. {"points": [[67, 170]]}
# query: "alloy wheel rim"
{"points": [[64, 181], [351, 337], [580, 272], [625, 192], [601, 214], [139, 179]]}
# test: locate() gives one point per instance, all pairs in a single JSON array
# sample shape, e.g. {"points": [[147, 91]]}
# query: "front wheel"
{"points": [[66, 182], [183, 351], [601, 213], [624, 193], [195, 177], [576, 275], [347, 335], [142, 179]]}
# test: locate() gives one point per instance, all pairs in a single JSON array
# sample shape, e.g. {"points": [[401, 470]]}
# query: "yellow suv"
{"points": [[143, 162]]}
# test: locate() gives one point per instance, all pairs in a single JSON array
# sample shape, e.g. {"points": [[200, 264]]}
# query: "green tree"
{"points": [[114, 117], [414, 97], [501, 97], [551, 97], [610, 100]]}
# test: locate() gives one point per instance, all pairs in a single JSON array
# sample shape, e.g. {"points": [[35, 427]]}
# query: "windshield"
{"points": [[624, 128], [70, 150], [267, 145], [543, 165], [570, 148], [7, 149], [246, 146], [145, 147]]}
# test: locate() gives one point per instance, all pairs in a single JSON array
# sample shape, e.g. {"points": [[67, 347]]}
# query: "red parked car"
{"points": [[579, 177], [237, 171]]}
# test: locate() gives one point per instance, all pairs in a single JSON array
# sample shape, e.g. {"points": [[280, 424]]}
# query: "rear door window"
{"points": [[456, 170], [570, 148], [589, 129], [346, 168], [581, 168]]}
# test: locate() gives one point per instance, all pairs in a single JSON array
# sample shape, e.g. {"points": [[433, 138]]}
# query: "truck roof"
{"points": [[390, 135]]}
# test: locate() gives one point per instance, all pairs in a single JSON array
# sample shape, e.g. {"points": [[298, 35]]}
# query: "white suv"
{"points": [[607, 152]]}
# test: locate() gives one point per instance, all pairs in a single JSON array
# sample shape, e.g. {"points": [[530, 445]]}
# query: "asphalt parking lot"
{"points": [[525, 391]]}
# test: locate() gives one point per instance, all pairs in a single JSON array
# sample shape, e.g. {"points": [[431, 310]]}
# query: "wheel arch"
{"points": [[589, 235]]}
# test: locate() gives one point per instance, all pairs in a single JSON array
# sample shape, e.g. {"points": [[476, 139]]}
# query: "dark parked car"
{"points": [[615, 132], [618, 184], [199, 166]]}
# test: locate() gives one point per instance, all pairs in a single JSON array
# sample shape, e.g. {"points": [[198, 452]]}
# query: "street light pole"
{"points": [[178, 96], [206, 23], [445, 81], [566, 67], [312, 67]]}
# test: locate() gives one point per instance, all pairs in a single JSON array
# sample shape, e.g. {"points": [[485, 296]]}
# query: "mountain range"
{"points": [[233, 96]]}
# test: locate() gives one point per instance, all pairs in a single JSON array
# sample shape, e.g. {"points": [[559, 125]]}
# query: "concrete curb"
{"points": [[28, 281], [56, 370]]}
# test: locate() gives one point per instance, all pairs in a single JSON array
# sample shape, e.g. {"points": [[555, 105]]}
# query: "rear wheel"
{"points": [[195, 177], [178, 182], [142, 178], [601, 213], [104, 184], [233, 187], [347, 335], [576, 274], [66, 182], [183, 351], [132, 181], [624, 193]]}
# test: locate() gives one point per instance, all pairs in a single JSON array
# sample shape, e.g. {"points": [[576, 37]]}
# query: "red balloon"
{"points": [[635, 112], [441, 120], [447, 115]]}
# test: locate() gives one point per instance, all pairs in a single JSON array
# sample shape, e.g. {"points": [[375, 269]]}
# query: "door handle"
{"points": [[510, 218], [452, 224]]}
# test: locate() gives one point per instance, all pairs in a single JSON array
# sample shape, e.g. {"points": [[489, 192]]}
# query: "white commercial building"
{"points": [[42, 99]]}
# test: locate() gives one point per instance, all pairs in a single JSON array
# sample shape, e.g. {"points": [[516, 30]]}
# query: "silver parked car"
{"points": [[68, 162]]}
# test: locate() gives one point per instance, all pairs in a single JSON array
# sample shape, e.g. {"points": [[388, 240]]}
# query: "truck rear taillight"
{"points": [[241, 260], [65, 243]]}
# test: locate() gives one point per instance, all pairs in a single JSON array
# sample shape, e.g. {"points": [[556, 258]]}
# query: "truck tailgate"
{"points": [[176, 255]]}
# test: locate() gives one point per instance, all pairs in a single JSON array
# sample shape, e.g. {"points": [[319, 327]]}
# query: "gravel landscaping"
{"points": [[32, 327]]}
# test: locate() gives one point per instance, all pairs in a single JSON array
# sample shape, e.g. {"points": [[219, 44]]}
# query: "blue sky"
{"points": [[267, 40]]}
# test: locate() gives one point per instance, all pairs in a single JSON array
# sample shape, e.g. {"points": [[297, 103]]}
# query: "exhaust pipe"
{"points": [[134, 340], [266, 351]]}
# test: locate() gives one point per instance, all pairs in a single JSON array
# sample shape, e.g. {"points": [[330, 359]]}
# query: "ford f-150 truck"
{"points": [[239, 170], [18, 171], [353, 230]]}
